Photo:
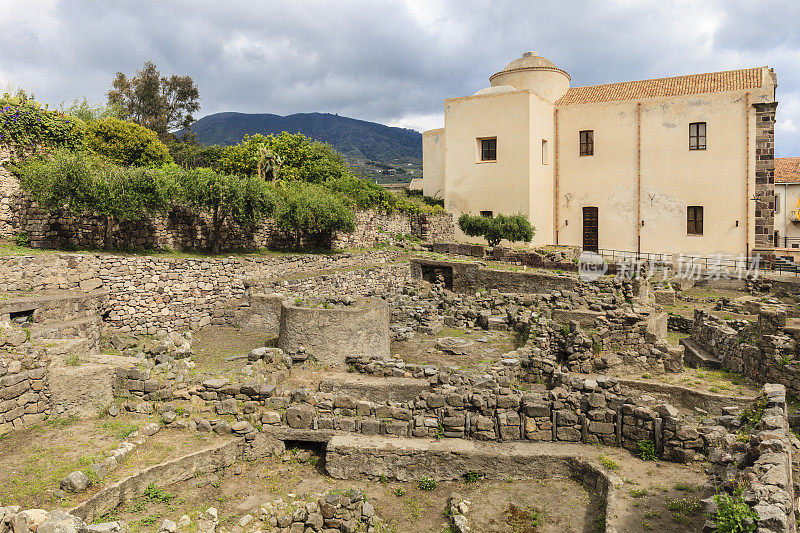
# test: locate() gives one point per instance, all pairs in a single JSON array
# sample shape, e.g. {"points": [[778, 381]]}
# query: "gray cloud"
{"points": [[390, 61]]}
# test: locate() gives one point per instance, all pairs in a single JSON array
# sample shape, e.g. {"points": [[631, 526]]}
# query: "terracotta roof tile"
{"points": [[712, 82], [787, 170]]}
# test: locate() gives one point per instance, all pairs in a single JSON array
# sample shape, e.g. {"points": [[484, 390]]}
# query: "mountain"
{"points": [[353, 138]]}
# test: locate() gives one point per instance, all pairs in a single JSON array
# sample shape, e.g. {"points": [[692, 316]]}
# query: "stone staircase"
{"points": [[696, 356], [67, 322]]}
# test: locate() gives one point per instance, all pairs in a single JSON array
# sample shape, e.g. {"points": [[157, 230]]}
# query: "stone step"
{"points": [[60, 347], [373, 388], [87, 329], [696, 356], [356, 456]]}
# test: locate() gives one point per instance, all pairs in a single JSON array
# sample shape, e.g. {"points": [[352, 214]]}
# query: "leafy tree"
{"points": [[82, 109], [307, 160], [308, 212], [84, 184], [222, 196], [126, 143], [188, 153], [494, 229], [285, 156], [156, 102]]}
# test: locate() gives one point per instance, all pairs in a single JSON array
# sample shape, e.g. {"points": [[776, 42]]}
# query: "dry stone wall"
{"points": [[765, 353], [9, 189], [150, 294], [24, 397]]}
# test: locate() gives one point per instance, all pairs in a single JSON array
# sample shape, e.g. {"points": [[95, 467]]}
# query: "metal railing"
{"points": [[716, 265]]}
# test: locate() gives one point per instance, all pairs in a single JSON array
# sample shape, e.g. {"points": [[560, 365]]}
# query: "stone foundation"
{"points": [[329, 336]]}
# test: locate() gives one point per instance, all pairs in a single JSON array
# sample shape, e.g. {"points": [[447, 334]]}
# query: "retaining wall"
{"points": [[764, 353], [148, 294], [183, 230]]}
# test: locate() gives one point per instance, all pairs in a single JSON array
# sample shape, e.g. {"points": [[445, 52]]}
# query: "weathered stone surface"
{"points": [[75, 482]]}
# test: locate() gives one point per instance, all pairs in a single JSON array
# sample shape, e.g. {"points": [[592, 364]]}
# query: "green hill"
{"points": [[353, 138]]}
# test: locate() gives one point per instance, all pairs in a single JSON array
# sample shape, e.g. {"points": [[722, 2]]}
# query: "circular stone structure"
{"points": [[330, 335]]}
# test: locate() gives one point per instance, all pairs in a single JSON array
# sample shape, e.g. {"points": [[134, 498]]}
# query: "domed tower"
{"points": [[536, 73]]}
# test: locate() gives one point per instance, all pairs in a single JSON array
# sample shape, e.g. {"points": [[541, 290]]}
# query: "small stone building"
{"points": [[671, 165]]}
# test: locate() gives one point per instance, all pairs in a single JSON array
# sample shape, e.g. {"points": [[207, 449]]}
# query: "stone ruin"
{"points": [[377, 416]]}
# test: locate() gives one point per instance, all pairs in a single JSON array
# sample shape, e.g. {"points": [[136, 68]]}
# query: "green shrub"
{"points": [[189, 154], [308, 213], [26, 124], [472, 476], [22, 239], [221, 196], [427, 484], [126, 143], [300, 158], [85, 184], [751, 416], [513, 228], [82, 109], [156, 494], [733, 514], [646, 450]]}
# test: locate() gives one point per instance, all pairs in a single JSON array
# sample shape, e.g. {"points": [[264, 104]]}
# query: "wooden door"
{"points": [[590, 229]]}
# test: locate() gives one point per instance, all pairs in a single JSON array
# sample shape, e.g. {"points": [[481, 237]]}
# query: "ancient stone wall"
{"points": [[184, 231], [24, 397], [373, 228], [471, 277], [149, 294], [764, 353], [9, 189]]}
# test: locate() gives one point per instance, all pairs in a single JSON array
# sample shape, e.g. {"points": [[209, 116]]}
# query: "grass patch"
{"points": [[683, 509], [608, 463], [523, 519], [427, 484], [120, 428]]}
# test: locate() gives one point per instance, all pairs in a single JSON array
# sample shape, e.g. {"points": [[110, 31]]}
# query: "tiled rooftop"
{"points": [[712, 82], [787, 170]]}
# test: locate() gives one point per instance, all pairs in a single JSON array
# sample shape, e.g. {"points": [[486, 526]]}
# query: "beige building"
{"points": [[787, 207], [670, 165]]}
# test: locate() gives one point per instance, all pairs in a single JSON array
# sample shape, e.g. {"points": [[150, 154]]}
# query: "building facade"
{"points": [[787, 207], [670, 165]]}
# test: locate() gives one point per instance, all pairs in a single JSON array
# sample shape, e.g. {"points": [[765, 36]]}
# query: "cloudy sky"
{"points": [[390, 61]]}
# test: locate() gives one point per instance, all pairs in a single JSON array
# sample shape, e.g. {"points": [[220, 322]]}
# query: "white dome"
{"points": [[531, 71]]}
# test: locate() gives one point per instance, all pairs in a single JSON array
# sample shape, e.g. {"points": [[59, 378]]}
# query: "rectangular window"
{"points": [[487, 214], [587, 142], [777, 204], [488, 149], [694, 220], [544, 152], [697, 136]]}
